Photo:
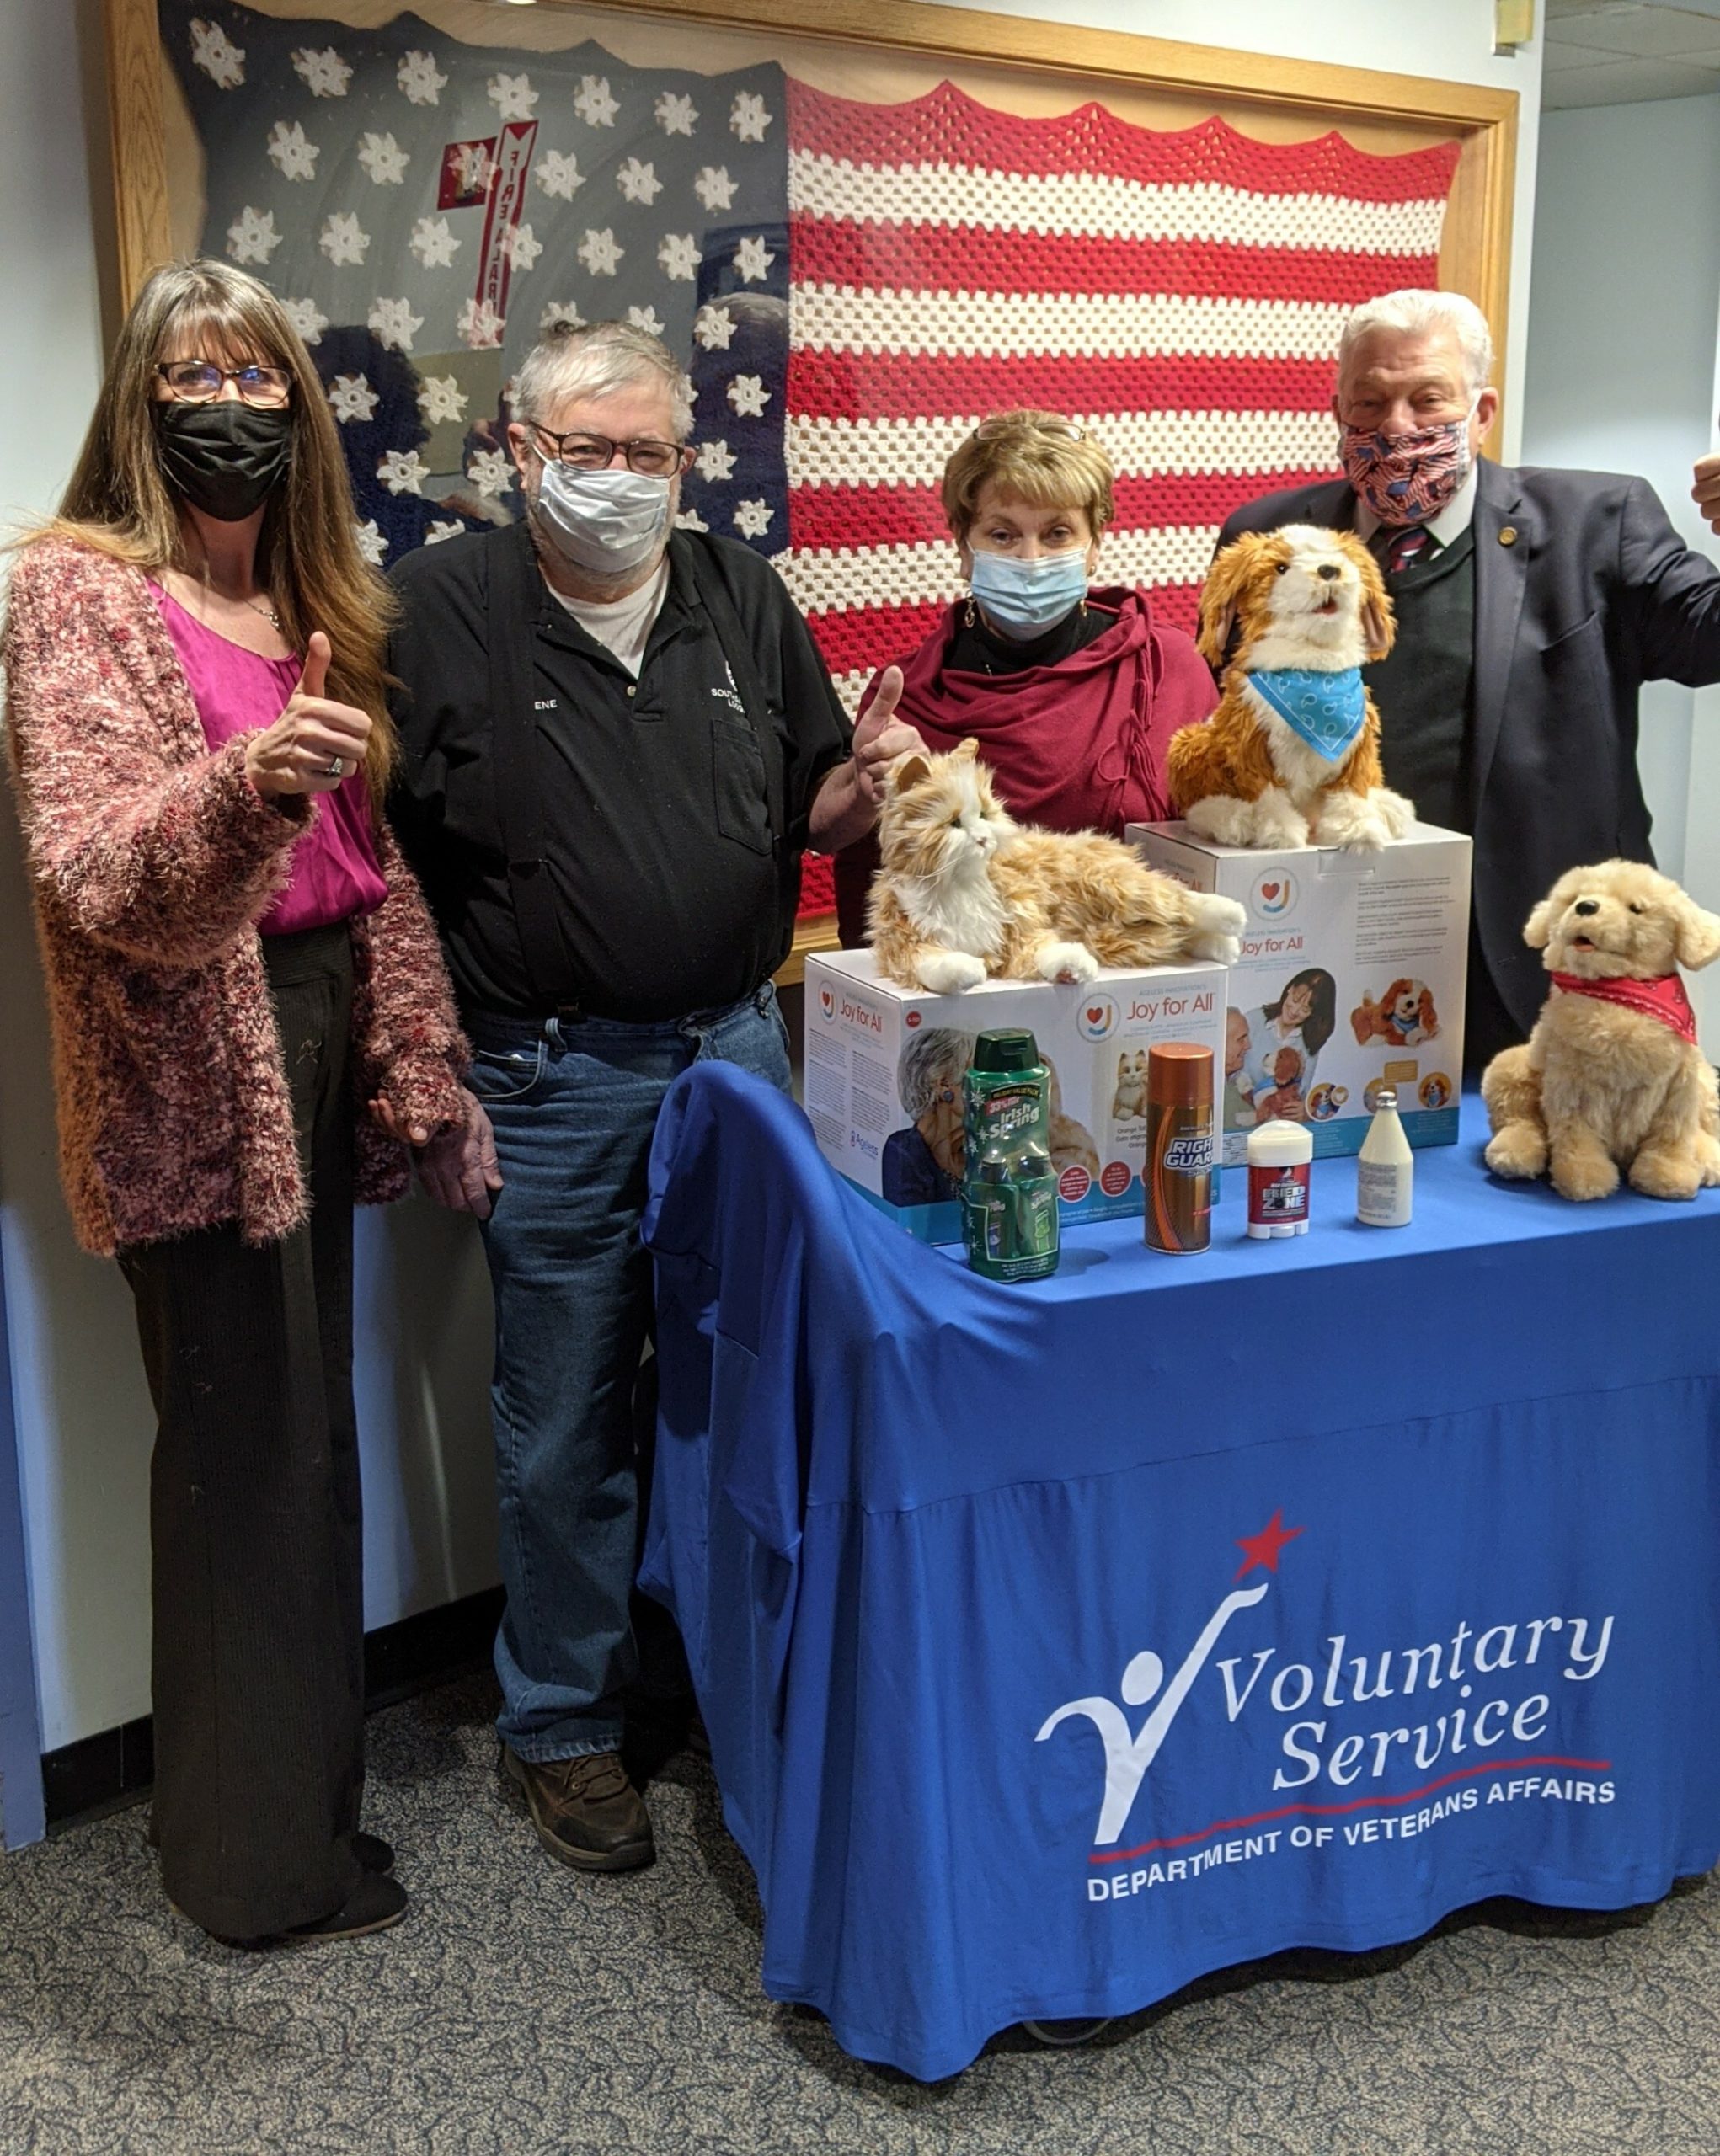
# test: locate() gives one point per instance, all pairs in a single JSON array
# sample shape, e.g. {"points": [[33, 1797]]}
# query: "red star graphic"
{"points": [[1263, 1548]]}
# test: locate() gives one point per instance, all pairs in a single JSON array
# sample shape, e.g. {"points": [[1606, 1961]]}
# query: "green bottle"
{"points": [[1009, 1185]]}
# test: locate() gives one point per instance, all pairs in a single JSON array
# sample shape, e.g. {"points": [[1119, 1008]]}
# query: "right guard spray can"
{"points": [[1179, 1147]]}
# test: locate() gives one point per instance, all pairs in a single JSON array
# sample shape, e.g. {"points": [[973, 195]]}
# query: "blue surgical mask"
{"points": [[606, 522], [1025, 598]]}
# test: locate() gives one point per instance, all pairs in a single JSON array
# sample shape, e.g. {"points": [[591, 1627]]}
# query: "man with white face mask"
{"points": [[617, 738], [1531, 606]]}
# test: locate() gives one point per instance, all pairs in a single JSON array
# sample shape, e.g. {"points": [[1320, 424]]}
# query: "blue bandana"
{"points": [[1327, 711]]}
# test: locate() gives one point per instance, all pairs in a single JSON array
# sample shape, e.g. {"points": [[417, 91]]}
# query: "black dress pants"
{"points": [[256, 1537]]}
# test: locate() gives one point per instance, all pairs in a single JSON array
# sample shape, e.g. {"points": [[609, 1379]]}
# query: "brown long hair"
{"points": [[119, 500]]}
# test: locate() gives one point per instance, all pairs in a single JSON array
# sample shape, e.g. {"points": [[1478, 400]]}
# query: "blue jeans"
{"points": [[573, 1108]]}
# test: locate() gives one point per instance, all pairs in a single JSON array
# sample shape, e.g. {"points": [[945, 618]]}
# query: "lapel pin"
{"points": [[1508, 535]]}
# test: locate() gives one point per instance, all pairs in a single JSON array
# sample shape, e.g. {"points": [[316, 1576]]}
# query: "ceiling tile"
{"points": [[1563, 59], [1645, 33], [1627, 81]]}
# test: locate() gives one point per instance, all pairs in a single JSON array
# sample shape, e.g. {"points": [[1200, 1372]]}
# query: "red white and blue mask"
{"points": [[1409, 478]]}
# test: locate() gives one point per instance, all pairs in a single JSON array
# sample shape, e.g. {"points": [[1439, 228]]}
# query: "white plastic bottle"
{"points": [[1385, 1170]]}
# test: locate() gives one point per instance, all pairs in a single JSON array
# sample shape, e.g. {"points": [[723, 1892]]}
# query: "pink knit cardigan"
{"points": [[152, 860]]}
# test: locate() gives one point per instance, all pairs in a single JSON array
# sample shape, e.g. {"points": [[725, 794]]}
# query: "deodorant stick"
{"points": [[1279, 1157], [1179, 1146]]}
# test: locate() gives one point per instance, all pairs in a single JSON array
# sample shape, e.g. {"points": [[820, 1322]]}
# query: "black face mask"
{"points": [[225, 457]]}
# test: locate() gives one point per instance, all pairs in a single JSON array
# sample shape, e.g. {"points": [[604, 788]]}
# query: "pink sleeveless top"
{"points": [[334, 869]]}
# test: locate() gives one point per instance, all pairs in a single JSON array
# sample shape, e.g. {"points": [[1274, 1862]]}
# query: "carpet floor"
{"points": [[524, 2009]]}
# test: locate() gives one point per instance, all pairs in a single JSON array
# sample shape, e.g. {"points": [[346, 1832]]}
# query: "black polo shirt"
{"points": [[671, 894]]}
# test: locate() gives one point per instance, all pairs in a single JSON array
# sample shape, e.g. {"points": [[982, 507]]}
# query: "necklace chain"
{"points": [[263, 606]]}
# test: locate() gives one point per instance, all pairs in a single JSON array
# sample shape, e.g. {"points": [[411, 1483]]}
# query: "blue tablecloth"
{"points": [[1059, 1644]]}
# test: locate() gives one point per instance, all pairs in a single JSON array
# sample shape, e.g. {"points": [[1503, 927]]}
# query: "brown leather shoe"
{"points": [[586, 1812]]}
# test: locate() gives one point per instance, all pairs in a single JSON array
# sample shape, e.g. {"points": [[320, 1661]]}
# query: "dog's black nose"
{"points": [[1584, 907], [1328, 570]]}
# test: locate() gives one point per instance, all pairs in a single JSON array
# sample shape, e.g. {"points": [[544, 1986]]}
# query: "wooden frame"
{"points": [[1282, 99]]}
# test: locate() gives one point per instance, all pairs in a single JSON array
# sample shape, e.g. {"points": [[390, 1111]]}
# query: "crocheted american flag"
{"points": [[853, 286]]}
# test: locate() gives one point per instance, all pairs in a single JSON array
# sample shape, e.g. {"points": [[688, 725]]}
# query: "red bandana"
{"points": [[1663, 998]]}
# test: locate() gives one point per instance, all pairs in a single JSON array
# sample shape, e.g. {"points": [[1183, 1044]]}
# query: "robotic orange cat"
{"points": [[965, 891]]}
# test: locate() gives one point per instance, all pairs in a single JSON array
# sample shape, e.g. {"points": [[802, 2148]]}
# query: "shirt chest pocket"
{"points": [[740, 784]]}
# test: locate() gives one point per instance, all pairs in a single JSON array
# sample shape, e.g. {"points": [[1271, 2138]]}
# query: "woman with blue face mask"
{"points": [[1071, 690]]}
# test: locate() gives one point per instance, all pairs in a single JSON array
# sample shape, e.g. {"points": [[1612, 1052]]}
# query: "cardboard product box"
{"points": [[1384, 939], [880, 1057]]}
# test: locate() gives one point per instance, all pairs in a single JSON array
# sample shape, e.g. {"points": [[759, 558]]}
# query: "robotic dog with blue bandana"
{"points": [[1292, 756]]}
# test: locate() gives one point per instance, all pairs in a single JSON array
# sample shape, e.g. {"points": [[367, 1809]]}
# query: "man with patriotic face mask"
{"points": [[1531, 606]]}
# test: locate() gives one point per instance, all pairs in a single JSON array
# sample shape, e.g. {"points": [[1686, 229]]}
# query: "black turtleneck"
{"points": [[981, 650]]}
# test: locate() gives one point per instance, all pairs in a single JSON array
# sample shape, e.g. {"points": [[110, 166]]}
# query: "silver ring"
{"points": [[337, 769]]}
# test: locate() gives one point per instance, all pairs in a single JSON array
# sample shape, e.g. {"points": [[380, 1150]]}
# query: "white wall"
{"points": [[1621, 377], [83, 1416]]}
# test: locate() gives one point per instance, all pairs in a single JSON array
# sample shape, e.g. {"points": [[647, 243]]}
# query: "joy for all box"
{"points": [[1351, 979], [885, 1066]]}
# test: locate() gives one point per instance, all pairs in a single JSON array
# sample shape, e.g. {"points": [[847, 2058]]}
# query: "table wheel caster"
{"points": [[1062, 2036]]}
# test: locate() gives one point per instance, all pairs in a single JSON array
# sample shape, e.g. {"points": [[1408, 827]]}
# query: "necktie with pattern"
{"points": [[1398, 546]]}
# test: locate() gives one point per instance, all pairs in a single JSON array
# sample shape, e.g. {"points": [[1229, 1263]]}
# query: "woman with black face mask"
{"points": [[250, 1012]]}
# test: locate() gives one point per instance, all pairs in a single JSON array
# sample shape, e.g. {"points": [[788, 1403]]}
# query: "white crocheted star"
{"points": [[341, 239], [383, 159], [600, 253], [753, 259], [394, 323], [441, 398], [512, 95], [217, 55], [593, 102], [295, 157], [420, 78], [251, 237], [748, 118], [558, 173], [402, 472], [323, 73], [434, 243], [351, 398]]}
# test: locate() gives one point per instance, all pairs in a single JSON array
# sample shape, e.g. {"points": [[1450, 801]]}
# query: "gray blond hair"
{"points": [[595, 360], [1415, 313], [942, 1051]]}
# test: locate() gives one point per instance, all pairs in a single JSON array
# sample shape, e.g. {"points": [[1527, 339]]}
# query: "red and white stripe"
{"points": [[1180, 295]]}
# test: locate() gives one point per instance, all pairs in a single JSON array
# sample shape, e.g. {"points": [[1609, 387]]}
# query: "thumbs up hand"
{"points": [[880, 737], [315, 744]]}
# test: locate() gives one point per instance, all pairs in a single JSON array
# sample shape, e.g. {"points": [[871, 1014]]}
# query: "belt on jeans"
{"points": [[510, 1029]]}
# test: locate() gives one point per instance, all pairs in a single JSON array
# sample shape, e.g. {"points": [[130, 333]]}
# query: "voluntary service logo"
{"points": [[1347, 1773]]}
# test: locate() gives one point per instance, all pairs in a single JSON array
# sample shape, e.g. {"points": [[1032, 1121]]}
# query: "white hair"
{"points": [[942, 1053], [595, 360], [1415, 313]]}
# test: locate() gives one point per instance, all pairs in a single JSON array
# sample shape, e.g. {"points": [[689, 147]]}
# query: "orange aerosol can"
{"points": [[1179, 1146]]}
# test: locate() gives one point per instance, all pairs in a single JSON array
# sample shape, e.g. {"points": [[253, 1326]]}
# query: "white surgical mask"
{"points": [[605, 522], [1024, 598]]}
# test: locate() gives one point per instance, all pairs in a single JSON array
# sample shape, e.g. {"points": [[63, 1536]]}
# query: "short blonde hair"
{"points": [[1035, 456]]}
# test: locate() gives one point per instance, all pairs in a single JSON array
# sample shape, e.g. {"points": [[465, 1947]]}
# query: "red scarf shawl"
{"points": [[1663, 998], [1078, 744]]}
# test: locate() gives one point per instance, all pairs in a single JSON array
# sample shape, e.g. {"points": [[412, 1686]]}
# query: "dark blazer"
{"points": [[1583, 592]]}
